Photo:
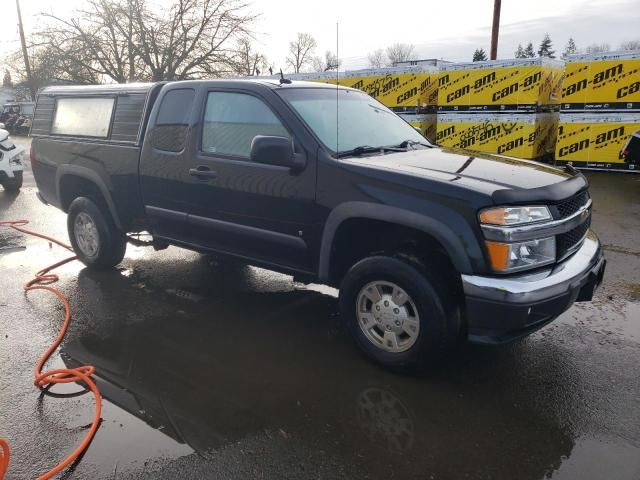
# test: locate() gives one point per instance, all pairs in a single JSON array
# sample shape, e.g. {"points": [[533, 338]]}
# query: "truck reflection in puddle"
{"points": [[230, 367]]}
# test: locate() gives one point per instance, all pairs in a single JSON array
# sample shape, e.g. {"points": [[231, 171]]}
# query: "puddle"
{"points": [[598, 458], [634, 288], [5, 250]]}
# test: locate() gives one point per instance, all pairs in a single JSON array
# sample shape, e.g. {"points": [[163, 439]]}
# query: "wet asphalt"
{"points": [[233, 372]]}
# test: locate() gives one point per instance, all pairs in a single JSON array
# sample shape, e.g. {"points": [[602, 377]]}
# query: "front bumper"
{"points": [[501, 309], [9, 169]]}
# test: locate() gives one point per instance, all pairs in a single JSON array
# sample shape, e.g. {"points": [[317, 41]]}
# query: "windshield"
{"points": [[362, 121]]}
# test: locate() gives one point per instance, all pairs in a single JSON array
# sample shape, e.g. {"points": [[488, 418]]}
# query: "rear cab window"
{"points": [[172, 122]]}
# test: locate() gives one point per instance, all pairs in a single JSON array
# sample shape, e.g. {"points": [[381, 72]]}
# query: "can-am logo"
{"points": [[510, 145], [598, 78], [506, 91], [584, 144], [403, 97], [446, 132], [461, 92], [481, 82], [628, 90]]}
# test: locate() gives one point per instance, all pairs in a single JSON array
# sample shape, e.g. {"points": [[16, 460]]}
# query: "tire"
{"points": [[13, 184], [428, 305], [94, 237]]}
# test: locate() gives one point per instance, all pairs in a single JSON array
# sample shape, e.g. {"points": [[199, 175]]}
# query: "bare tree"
{"points": [[97, 41], [376, 58], [49, 64], [598, 48], [324, 64], [127, 40], [249, 62], [400, 52], [6, 80], [301, 51], [630, 45]]}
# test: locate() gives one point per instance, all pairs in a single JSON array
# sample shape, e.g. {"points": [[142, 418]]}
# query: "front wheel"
{"points": [[398, 313], [94, 237]]}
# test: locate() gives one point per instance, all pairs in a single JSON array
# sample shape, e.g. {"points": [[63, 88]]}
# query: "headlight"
{"points": [[514, 215], [512, 257]]}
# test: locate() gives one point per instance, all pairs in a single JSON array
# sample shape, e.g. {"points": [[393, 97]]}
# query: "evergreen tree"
{"points": [[571, 48], [528, 52], [520, 52], [6, 81], [546, 46], [479, 55]]}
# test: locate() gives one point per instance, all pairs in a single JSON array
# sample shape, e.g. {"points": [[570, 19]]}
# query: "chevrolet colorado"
{"points": [[426, 245]]}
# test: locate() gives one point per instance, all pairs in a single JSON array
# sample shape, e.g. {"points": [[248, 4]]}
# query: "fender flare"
{"points": [[364, 210], [93, 177]]}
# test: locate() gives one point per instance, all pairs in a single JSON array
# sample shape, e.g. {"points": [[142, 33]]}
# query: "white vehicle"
{"points": [[11, 162]]}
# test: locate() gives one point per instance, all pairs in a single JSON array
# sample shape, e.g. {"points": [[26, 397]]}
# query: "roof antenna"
{"points": [[337, 89], [282, 79]]}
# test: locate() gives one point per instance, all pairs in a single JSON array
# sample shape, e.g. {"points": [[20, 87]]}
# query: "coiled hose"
{"points": [[43, 281]]}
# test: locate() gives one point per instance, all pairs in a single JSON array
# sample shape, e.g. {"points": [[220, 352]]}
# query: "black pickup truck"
{"points": [[328, 185]]}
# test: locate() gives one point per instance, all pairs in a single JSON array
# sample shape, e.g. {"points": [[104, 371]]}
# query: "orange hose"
{"points": [[4, 456], [42, 281]]}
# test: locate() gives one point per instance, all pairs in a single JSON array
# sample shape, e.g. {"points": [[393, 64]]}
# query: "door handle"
{"points": [[202, 171]]}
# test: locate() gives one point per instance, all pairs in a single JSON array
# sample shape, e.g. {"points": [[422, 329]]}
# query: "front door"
{"points": [[263, 212]]}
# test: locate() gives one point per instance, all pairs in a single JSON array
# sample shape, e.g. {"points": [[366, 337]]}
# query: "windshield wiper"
{"points": [[362, 149], [408, 143]]}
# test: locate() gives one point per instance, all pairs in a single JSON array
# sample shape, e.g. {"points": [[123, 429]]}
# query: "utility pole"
{"points": [[27, 67], [495, 28]]}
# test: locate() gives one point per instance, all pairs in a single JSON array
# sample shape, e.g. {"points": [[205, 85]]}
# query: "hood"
{"points": [[495, 175]]}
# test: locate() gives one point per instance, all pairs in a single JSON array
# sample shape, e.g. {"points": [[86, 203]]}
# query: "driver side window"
{"points": [[232, 120]]}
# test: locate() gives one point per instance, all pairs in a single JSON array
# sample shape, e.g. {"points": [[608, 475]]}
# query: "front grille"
{"points": [[567, 242], [570, 206]]}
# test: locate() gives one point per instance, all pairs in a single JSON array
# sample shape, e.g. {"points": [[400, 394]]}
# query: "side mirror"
{"points": [[1, 126], [3, 133], [272, 150]]}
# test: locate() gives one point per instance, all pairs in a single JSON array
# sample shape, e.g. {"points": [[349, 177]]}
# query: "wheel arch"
{"points": [[76, 174], [434, 228]]}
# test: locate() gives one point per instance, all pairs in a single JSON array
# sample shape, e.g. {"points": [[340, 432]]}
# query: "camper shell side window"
{"points": [[112, 114]]}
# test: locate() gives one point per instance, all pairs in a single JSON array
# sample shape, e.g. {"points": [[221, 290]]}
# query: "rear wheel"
{"points": [[13, 184], [398, 313], [94, 237]]}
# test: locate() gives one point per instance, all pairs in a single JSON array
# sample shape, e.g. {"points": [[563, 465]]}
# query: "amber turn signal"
{"points": [[498, 255]]}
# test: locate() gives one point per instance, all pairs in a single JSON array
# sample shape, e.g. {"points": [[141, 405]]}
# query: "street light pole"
{"points": [[495, 28], [27, 67]]}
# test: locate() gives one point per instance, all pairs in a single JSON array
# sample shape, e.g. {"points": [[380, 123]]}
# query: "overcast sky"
{"points": [[448, 29]]}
